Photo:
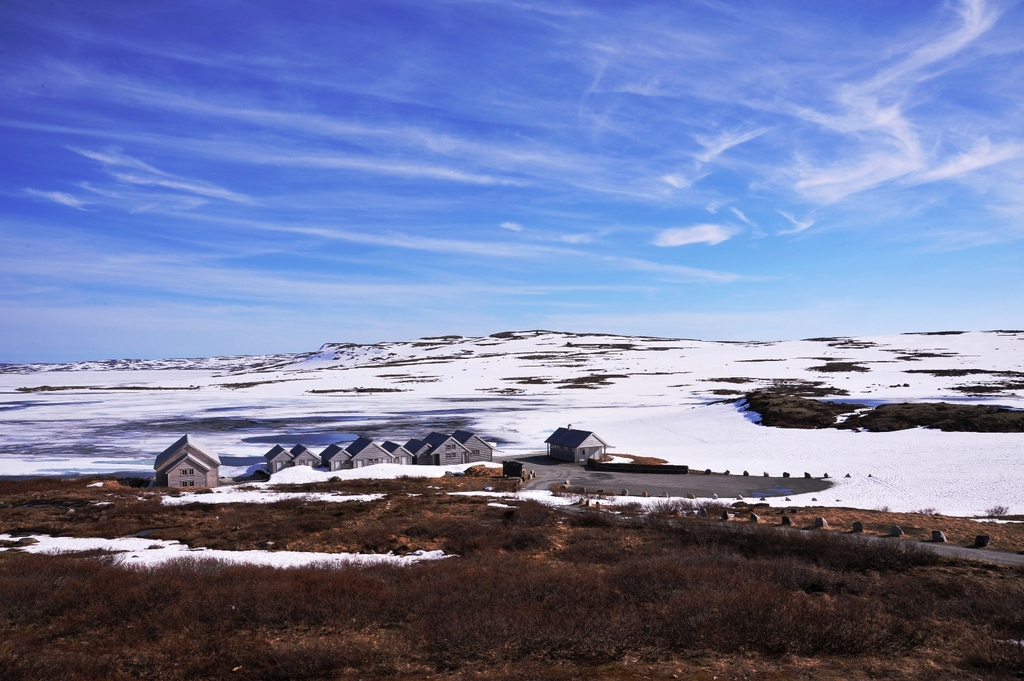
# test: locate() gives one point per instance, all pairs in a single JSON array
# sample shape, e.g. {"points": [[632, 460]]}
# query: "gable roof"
{"points": [[358, 445], [463, 436], [300, 449], [184, 441], [567, 437], [392, 447], [413, 446], [434, 439], [330, 452], [276, 451]]}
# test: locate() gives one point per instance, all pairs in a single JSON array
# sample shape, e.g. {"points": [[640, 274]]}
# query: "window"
{"points": [[188, 471], [476, 452], [184, 483]]}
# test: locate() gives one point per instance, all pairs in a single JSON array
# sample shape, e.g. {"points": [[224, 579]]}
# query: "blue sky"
{"points": [[196, 178]]}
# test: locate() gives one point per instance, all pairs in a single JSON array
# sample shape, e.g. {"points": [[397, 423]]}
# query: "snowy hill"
{"points": [[651, 396]]}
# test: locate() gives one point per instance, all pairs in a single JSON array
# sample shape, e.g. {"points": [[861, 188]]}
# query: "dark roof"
{"points": [[390, 447], [275, 451], [566, 437], [180, 443], [300, 449], [435, 438], [358, 445], [331, 451], [462, 437], [413, 445]]}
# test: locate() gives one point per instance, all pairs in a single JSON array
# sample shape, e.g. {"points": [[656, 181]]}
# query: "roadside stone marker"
{"points": [[820, 522], [938, 536], [895, 531], [755, 518], [786, 521], [981, 541], [858, 526]]}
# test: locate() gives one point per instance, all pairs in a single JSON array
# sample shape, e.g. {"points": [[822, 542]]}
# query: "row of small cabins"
{"points": [[187, 464], [436, 449]]}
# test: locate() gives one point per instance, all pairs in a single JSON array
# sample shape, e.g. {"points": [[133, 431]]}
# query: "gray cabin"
{"points": [[332, 452], [568, 444], [303, 456], [400, 453], [441, 450], [479, 450], [186, 464], [364, 452], [277, 458], [415, 448]]}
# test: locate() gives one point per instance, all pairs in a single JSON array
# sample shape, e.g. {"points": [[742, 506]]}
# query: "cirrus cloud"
{"points": [[709, 234]]}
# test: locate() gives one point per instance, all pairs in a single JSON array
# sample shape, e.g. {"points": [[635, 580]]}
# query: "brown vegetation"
{"points": [[536, 593], [788, 411]]}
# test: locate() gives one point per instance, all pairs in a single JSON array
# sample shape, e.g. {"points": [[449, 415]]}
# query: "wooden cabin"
{"points": [[569, 444], [330, 453], [303, 456], [401, 454], [277, 458], [441, 450], [478, 449], [187, 465], [365, 452]]}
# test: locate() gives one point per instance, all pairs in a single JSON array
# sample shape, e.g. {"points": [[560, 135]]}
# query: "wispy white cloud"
{"points": [[738, 213], [512, 226], [698, 234], [210, 191], [154, 177], [798, 225], [715, 146], [981, 156], [62, 198], [114, 157], [677, 180], [576, 238]]}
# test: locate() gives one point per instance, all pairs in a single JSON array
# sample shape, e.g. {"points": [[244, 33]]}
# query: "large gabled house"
{"points": [[569, 444], [186, 464], [365, 452]]}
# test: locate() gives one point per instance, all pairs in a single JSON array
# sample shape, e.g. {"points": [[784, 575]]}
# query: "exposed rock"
{"points": [[786, 520], [755, 518], [858, 526], [821, 523], [982, 540], [726, 515], [847, 476], [938, 536], [702, 513], [895, 531], [746, 474], [785, 475]]}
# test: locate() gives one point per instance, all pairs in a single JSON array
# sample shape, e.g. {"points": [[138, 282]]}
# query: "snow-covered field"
{"points": [[646, 396]]}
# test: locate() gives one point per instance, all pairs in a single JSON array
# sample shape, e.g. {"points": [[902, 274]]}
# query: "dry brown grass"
{"points": [[537, 593]]}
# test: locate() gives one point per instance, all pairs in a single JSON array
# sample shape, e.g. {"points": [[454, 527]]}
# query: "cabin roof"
{"points": [[392, 447], [434, 439], [331, 451], [300, 449], [463, 436], [570, 437], [358, 445], [181, 443]]}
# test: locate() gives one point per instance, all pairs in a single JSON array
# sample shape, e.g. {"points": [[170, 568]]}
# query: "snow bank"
{"points": [[152, 552], [245, 495]]}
